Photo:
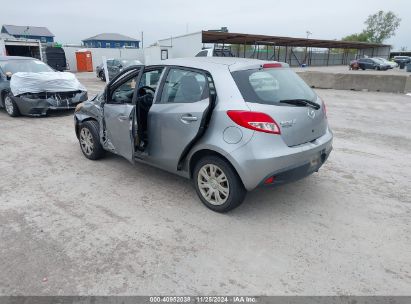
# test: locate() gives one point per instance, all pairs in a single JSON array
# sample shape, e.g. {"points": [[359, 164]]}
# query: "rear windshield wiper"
{"points": [[301, 102]]}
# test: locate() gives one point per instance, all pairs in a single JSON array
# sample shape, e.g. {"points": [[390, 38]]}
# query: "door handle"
{"points": [[187, 118], [123, 117]]}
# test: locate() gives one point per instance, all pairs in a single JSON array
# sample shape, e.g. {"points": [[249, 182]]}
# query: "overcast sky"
{"points": [[73, 20]]}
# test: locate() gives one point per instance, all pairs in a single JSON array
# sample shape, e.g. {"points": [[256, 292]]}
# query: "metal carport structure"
{"points": [[286, 45]]}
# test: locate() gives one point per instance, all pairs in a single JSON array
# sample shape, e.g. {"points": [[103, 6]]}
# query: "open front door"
{"points": [[178, 117], [119, 118]]}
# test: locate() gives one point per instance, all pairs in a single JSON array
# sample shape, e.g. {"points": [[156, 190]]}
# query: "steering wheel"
{"points": [[146, 89]]}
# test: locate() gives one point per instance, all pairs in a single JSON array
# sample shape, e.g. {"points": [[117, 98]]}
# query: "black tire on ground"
{"points": [[12, 109], [102, 76], [89, 139], [236, 191]]}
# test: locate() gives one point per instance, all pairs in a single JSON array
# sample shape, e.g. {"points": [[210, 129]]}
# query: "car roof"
{"points": [[6, 58], [217, 63]]}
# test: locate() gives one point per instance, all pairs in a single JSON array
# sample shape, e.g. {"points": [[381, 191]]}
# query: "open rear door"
{"points": [[119, 118]]}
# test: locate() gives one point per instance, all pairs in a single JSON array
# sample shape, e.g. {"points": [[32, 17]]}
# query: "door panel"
{"points": [[119, 121], [171, 127], [120, 112]]}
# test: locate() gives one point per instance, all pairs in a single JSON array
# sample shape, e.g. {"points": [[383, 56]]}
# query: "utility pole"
{"points": [[142, 39], [26, 32], [306, 48]]}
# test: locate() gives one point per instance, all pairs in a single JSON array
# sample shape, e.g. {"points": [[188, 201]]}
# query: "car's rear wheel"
{"points": [[102, 76], [10, 106], [217, 184], [89, 139]]}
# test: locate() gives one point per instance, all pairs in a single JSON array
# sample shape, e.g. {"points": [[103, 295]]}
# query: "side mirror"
{"points": [[8, 75]]}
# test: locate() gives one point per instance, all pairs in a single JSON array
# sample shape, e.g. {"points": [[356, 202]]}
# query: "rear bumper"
{"points": [[265, 156], [39, 107], [294, 174]]}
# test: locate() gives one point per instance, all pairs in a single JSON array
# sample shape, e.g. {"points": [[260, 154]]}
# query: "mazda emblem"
{"points": [[311, 113]]}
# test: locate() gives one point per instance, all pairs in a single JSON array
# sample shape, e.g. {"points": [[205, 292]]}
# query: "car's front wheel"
{"points": [[10, 106], [89, 139], [217, 184]]}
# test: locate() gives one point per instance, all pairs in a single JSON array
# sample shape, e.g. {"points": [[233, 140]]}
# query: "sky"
{"points": [[73, 20]]}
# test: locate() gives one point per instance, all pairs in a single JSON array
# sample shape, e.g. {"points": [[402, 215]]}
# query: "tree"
{"points": [[361, 37], [381, 26]]}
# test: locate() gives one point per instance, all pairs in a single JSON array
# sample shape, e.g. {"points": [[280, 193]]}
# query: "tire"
{"points": [[102, 76], [89, 139], [10, 106], [211, 167]]}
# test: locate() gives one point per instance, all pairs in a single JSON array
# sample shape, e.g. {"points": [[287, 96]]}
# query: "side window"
{"points": [[183, 86], [151, 78], [125, 91], [202, 54], [109, 63]]}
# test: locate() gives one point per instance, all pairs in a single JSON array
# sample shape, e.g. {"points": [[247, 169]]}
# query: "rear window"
{"points": [[270, 86]]}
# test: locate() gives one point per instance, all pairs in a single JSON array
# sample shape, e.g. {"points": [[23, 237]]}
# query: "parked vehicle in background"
{"points": [[229, 124], [215, 52], [55, 57], [390, 64], [402, 59], [371, 64], [30, 87], [114, 66], [385, 63]]}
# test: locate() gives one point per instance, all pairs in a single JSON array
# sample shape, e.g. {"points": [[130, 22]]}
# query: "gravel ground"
{"points": [[71, 226]]}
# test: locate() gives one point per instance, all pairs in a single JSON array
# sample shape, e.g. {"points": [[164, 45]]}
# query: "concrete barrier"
{"points": [[408, 85], [357, 82]]}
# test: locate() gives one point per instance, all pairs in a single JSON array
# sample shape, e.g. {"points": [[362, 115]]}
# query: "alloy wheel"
{"points": [[8, 103], [86, 141], [213, 184]]}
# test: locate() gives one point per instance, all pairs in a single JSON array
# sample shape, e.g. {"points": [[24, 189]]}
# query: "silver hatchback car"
{"points": [[230, 124]]}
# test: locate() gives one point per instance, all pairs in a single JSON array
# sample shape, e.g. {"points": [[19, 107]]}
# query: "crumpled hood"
{"points": [[25, 82]]}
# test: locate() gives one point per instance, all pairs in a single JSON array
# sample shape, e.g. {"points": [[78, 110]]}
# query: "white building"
{"points": [[11, 46]]}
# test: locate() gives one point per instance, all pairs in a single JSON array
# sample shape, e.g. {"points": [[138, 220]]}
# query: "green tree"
{"points": [[381, 26], [361, 37]]}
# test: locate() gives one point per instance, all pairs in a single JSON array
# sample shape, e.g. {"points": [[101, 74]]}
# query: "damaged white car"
{"points": [[30, 87]]}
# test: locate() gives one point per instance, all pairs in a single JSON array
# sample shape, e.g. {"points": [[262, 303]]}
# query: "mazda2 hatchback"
{"points": [[229, 124]]}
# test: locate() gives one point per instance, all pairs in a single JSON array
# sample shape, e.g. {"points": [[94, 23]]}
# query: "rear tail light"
{"points": [[272, 65], [255, 121]]}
